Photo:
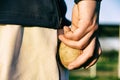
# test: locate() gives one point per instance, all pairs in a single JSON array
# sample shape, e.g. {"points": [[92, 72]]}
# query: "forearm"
{"points": [[88, 15], [87, 10]]}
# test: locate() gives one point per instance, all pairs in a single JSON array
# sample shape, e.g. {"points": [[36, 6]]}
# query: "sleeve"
{"points": [[77, 1]]}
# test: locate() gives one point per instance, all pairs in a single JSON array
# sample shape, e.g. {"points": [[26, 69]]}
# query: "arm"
{"points": [[82, 34]]}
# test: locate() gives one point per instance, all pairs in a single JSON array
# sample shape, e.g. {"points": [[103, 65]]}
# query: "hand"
{"points": [[82, 34]]}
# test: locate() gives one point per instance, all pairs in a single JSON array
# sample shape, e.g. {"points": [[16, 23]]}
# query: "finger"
{"points": [[87, 53], [66, 29], [95, 57], [93, 61], [68, 33], [81, 44], [91, 64], [77, 34], [68, 42]]}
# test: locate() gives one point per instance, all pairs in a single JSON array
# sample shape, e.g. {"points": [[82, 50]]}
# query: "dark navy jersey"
{"points": [[43, 13]]}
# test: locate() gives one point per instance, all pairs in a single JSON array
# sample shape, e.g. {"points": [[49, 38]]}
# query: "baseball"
{"points": [[68, 54]]}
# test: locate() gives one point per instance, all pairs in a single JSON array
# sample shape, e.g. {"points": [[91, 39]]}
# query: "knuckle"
{"points": [[76, 38]]}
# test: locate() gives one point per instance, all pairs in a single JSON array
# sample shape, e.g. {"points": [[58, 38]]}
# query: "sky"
{"points": [[109, 12]]}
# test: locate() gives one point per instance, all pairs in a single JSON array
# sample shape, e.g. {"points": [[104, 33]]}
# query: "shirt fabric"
{"points": [[30, 12]]}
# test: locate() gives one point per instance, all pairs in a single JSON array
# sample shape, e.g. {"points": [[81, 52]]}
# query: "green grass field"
{"points": [[107, 67]]}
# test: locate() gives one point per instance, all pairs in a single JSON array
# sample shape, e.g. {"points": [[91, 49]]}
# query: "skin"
{"points": [[83, 33]]}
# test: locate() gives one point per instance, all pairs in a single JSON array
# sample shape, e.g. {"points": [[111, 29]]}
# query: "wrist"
{"points": [[77, 1]]}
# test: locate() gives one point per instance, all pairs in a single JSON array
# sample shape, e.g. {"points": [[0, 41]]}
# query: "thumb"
{"points": [[66, 29], [67, 32]]}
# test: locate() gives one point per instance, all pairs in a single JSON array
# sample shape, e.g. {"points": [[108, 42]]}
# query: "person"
{"points": [[28, 38]]}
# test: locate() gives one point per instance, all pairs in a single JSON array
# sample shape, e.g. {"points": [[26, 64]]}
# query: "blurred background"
{"points": [[108, 65]]}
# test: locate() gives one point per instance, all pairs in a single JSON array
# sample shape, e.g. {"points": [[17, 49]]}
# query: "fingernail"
{"points": [[86, 67]]}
